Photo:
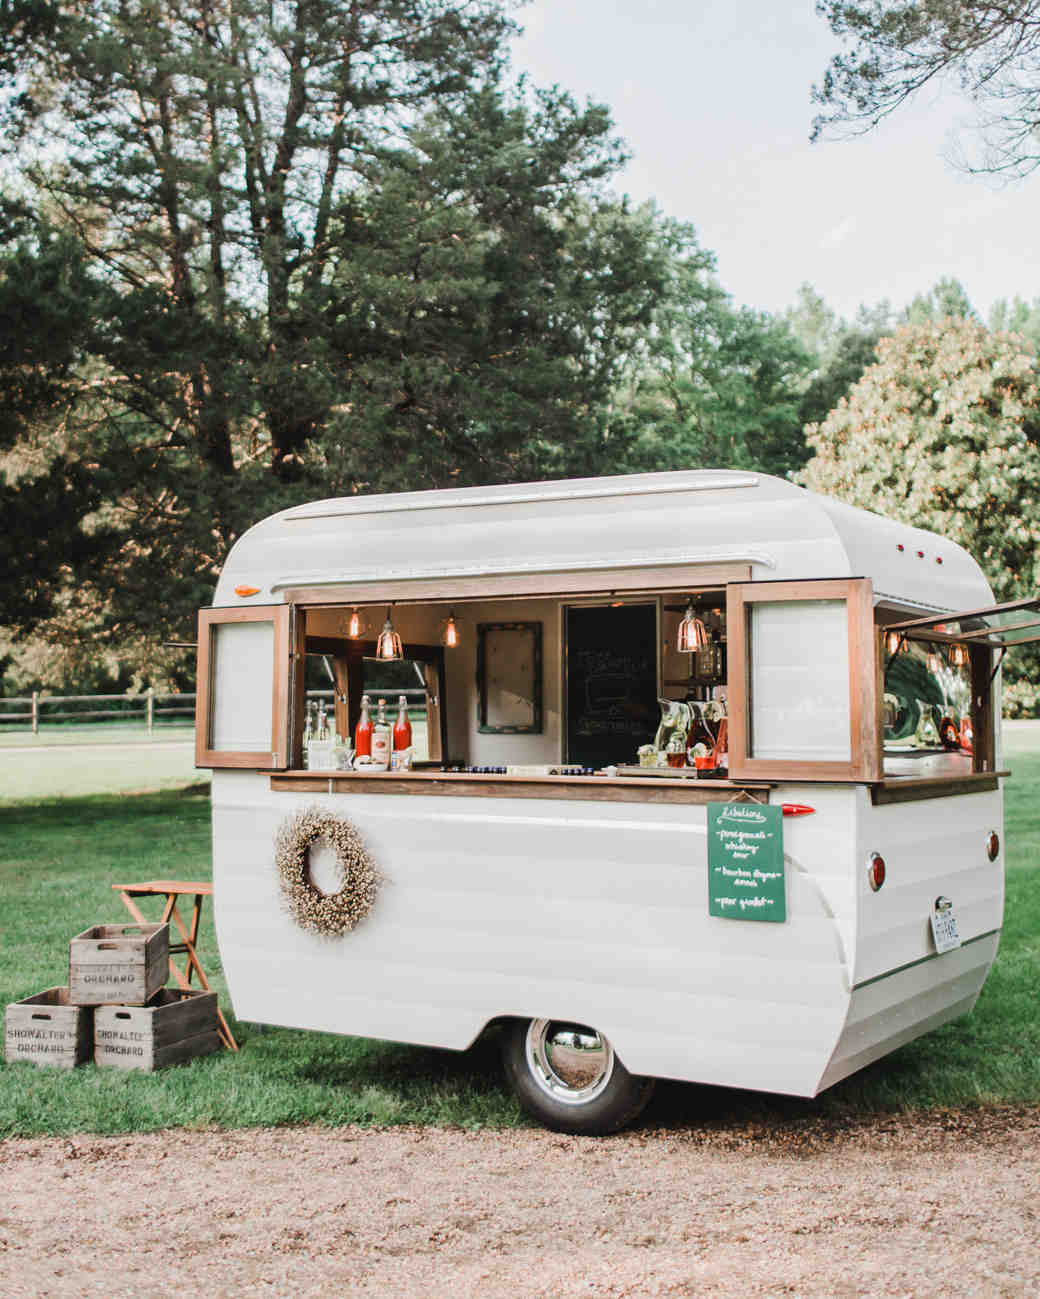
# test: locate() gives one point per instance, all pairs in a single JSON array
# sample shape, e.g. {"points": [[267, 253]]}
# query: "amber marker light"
{"points": [[243, 591]]}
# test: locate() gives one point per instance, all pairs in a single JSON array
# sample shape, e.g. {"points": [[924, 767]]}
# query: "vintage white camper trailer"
{"points": [[623, 921]]}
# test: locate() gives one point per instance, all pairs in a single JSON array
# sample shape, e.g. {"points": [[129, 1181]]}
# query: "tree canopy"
{"points": [[990, 48], [944, 433], [254, 254]]}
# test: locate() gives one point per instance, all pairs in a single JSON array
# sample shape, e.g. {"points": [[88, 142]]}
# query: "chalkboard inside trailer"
{"points": [[746, 862]]}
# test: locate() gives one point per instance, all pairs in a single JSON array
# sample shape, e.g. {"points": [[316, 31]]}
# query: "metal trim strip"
{"points": [[661, 559], [920, 961]]}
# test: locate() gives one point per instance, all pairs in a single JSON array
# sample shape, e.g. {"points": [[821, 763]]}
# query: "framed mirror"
{"points": [[509, 678]]}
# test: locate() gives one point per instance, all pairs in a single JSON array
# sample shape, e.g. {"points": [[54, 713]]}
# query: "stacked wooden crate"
{"points": [[116, 1008]]}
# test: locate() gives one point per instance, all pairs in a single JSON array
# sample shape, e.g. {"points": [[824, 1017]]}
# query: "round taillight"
{"points": [[993, 845], [876, 871]]}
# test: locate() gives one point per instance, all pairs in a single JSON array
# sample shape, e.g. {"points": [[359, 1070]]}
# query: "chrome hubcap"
{"points": [[569, 1062]]}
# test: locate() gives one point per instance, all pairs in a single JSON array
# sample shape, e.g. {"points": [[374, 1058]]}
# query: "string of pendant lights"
{"points": [[934, 659], [388, 643]]}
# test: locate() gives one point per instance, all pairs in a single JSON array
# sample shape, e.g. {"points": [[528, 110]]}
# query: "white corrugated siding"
{"points": [[589, 911]]}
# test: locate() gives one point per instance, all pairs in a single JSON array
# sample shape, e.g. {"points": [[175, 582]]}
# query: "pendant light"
{"points": [[959, 656], [932, 661], [895, 644], [388, 646], [451, 632], [693, 635], [354, 625]]}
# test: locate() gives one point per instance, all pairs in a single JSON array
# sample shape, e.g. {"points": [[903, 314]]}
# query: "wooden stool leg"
{"points": [[188, 938]]}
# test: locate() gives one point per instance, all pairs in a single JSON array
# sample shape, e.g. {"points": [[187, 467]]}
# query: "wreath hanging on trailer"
{"points": [[329, 914]]}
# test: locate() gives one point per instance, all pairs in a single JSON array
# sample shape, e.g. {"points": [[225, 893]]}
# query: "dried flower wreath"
{"points": [[330, 914]]}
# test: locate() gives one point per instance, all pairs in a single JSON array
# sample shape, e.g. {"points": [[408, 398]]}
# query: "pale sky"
{"points": [[713, 101]]}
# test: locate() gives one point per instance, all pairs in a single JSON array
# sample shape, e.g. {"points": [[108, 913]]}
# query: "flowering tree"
{"points": [[944, 433]]}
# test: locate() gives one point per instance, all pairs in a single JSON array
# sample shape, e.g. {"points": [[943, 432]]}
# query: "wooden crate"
{"points": [[175, 1026], [49, 1029], [118, 964]]}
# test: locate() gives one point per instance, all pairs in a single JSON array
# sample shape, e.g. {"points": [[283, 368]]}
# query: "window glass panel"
{"points": [[927, 700], [389, 681], [799, 655], [243, 671]]}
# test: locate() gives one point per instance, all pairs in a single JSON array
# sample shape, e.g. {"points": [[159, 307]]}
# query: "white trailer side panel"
{"points": [[595, 912]]}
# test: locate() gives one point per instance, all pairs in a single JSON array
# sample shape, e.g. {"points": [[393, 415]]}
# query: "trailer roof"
{"points": [[664, 521]]}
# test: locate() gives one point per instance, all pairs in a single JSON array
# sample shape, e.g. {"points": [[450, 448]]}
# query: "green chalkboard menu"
{"points": [[746, 862]]}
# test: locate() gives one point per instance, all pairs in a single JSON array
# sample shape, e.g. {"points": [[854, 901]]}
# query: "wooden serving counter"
{"points": [[600, 789]]}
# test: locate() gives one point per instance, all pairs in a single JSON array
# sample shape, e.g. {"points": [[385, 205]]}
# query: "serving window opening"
{"points": [[928, 718]]}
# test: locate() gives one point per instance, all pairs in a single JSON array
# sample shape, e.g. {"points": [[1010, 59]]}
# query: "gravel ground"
{"points": [[940, 1205]]}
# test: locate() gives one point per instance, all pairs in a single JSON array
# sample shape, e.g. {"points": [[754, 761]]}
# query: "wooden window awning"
{"points": [[999, 626]]}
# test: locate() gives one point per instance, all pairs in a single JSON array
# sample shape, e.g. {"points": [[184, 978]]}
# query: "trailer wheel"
{"points": [[567, 1076]]}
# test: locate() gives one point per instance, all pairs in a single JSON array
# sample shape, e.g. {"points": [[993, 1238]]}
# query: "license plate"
{"points": [[944, 927]]}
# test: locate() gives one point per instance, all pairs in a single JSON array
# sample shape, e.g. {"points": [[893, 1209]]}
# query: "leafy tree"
{"points": [[842, 351], [990, 48], [948, 298], [717, 385], [1017, 316], [944, 433], [489, 300], [304, 248]]}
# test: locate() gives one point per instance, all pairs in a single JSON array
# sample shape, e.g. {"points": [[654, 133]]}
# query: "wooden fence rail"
{"points": [[152, 706]]}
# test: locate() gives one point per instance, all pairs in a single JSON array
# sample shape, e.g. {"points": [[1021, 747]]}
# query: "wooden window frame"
{"points": [[857, 593], [278, 759], [348, 665]]}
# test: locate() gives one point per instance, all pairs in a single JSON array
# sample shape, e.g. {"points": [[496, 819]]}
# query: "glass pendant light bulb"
{"points": [[354, 626], [693, 635], [959, 656], [451, 632], [932, 661], [893, 640], [388, 645]]}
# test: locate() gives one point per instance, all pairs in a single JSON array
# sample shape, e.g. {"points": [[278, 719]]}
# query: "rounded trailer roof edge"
{"points": [[512, 533], [566, 489]]}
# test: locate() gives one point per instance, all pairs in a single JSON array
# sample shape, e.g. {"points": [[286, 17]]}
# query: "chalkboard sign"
{"points": [[611, 665], [746, 862]]}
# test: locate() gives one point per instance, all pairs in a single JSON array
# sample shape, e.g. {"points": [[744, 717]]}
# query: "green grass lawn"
{"points": [[100, 759], [58, 859]]}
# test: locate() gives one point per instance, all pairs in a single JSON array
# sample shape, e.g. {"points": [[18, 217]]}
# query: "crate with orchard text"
{"points": [[48, 1029], [175, 1026], [118, 964]]}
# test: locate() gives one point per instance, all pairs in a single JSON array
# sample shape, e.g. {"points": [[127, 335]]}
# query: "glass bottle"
{"points": [[382, 739], [402, 727], [363, 732]]}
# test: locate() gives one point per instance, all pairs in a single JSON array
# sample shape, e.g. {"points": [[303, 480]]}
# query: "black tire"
{"points": [[564, 1101]]}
